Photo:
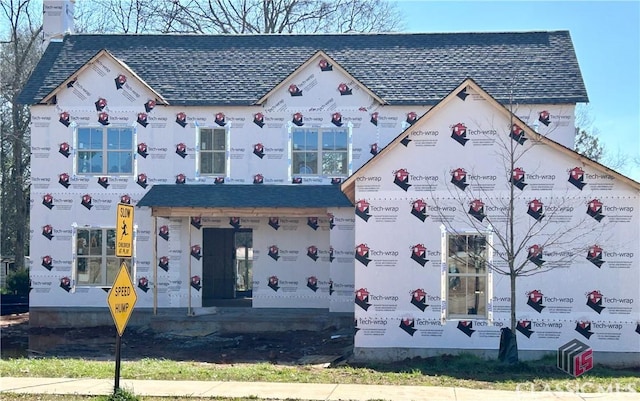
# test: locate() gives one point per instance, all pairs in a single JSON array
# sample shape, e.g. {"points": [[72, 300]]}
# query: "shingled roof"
{"points": [[245, 196], [402, 69]]}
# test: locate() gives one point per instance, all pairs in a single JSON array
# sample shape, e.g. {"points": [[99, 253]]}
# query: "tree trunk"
{"points": [[17, 177], [514, 322]]}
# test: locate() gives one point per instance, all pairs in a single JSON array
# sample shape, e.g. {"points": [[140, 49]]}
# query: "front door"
{"points": [[226, 264], [218, 256]]}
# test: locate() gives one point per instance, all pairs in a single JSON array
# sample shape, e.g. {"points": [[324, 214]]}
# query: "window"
{"points": [[213, 151], [320, 151], [467, 275], [244, 261], [105, 150], [96, 261]]}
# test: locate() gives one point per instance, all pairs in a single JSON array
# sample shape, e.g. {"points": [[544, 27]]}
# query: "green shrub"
{"points": [[18, 282], [122, 395]]}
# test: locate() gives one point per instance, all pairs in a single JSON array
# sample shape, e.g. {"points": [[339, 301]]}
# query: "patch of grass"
{"points": [[453, 371], [70, 397]]}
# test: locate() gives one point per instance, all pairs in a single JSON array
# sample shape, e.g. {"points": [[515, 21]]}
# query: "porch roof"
{"points": [[242, 200]]}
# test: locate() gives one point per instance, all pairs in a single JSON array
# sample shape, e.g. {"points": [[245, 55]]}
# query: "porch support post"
{"points": [[188, 280], [155, 264]]}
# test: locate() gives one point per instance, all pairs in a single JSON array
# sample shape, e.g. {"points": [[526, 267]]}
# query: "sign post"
{"points": [[121, 299], [122, 296]]}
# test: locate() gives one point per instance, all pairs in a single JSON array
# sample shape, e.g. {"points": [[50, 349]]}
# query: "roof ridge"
{"points": [[322, 34]]}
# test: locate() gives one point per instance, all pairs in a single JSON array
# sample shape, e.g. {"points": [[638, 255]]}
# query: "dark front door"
{"points": [[218, 265]]}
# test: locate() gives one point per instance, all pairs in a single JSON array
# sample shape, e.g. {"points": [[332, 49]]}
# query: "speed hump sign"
{"points": [[124, 231], [122, 298]]}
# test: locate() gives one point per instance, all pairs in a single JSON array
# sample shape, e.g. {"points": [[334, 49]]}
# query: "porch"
{"points": [[232, 316]]}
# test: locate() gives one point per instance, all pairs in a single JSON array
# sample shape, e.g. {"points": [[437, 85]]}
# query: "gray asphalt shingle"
{"points": [[402, 69], [245, 196]]}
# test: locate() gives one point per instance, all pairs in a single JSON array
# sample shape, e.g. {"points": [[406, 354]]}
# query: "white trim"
{"points": [[349, 148], [197, 150], [289, 150], [489, 235], [227, 155], [444, 288], [74, 255]]}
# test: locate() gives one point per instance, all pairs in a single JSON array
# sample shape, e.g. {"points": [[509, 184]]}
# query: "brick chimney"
{"points": [[57, 20]]}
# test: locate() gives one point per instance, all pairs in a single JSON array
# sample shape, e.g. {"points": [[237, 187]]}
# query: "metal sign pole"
{"points": [[116, 386], [122, 296]]}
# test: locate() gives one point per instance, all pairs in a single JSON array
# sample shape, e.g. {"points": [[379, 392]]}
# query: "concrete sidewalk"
{"points": [[282, 391]]}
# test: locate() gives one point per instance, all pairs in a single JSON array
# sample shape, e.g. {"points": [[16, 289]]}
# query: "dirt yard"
{"points": [[99, 343]]}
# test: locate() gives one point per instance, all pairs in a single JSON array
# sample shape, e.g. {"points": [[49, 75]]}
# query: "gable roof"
{"points": [[320, 55], [243, 200], [401, 69], [348, 186], [104, 53]]}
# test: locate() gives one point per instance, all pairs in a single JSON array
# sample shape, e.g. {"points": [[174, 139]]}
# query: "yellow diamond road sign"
{"points": [[121, 299], [124, 231]]}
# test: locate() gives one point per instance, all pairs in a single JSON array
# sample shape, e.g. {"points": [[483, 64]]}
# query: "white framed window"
{"points": [[105, 150], [212, 151], [320, 151], [467, 282], [96, 263]]}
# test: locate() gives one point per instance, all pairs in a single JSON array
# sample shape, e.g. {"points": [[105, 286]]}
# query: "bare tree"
{"points": [[520, 230], [588, 143], [20, 53], [237, 16], [127, 16]]}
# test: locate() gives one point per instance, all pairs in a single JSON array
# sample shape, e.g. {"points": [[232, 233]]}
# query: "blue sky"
{"points": [[606, 38]]}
